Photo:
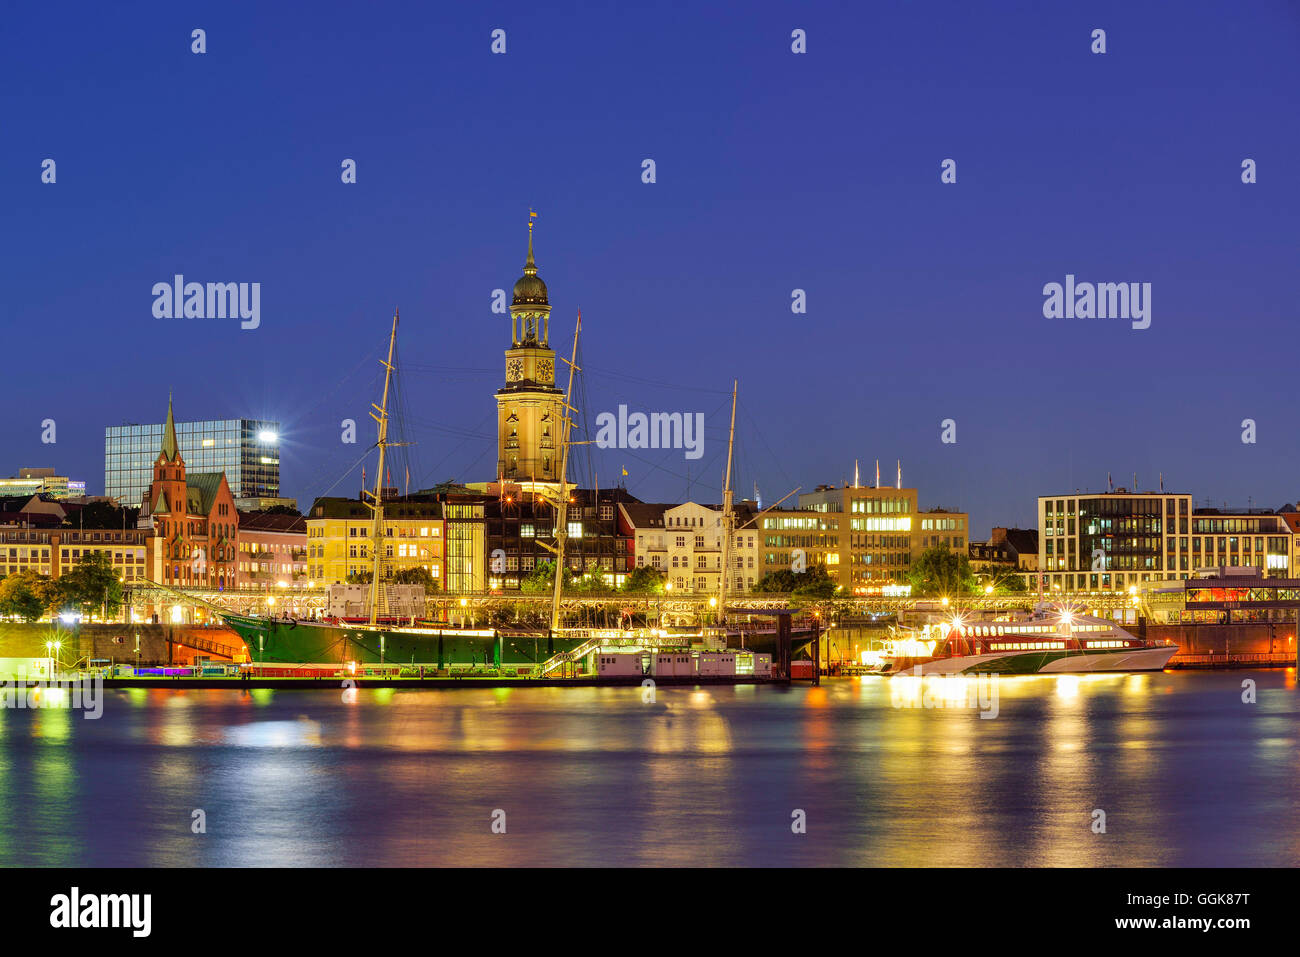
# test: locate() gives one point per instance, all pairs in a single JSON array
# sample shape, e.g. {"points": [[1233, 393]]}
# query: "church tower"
{"points": [[168, 502], [529, 407]]}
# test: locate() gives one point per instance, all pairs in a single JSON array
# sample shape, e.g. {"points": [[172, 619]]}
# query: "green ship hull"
{"points": [[281, 641], [277, 641]]}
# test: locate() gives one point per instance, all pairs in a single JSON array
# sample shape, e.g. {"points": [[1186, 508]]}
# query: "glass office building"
{"points": [[247, 450]]}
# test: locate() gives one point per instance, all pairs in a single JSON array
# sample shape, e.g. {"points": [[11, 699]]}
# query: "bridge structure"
{"points": [[480, 608]]}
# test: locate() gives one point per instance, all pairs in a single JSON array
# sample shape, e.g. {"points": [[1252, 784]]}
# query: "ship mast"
{"points": [[380, 415], [562, 502], [726, 511]]}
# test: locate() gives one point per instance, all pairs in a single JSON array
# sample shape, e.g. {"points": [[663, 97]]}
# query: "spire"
{"points": [[529, 263], [169, 447]]}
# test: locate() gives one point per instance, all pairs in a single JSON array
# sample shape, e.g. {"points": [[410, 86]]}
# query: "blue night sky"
{"points": [[775, 171]]}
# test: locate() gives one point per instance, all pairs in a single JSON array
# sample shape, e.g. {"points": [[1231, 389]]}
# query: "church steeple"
{"points": [[529, 407], [530, 310], [170, 450]]}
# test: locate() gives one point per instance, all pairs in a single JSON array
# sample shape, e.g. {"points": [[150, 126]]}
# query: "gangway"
{"points": [[649, 640]]}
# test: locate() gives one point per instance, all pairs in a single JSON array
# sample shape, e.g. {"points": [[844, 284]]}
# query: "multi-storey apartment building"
{"points": [[1111, 541], [339, 539], [52, 551], [440, 530], [272, 552], [866, 536], [1242, 538], [520, 518]]}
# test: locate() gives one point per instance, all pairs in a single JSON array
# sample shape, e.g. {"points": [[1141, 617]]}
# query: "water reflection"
{"points": [[1184, 771]]}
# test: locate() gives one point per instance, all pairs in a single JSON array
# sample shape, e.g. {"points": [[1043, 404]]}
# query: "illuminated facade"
{"points": [[1241, 538], [529, 406], [439, 531], [338, 540], [272, 552], [866, 536], [600, 542], [1112, 541], [194, 521], [685, 543], [52, 551], [247, 451], [42, 481]]}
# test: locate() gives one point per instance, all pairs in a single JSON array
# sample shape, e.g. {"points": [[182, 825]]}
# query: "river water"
{"points": [[1184, 771]]}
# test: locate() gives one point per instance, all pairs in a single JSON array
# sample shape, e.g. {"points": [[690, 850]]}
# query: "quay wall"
{"points": [[159, 644], [1245, 638]]}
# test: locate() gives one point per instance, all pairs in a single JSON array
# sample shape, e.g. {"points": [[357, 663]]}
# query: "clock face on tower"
{"points": [[514, 370], [546, 370]]}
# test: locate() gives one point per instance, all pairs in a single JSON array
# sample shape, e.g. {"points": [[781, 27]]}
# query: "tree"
{"points": [[1004, 578], [644, 580], [812, 583], [542, 578], [358, 578], [20, 598], [418, 575], [940, 571], [90, 585], [779, 582]]}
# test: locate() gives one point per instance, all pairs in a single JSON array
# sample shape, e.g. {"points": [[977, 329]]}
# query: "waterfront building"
{"points": [[193, 519], [1242, 538], [338, 539], [1113, 541], [42, 481], [247, 451], [685, 543], [1292, 519], [529, 406], [1007, 549], [51, 551], [272, 551], [600, 541], [645, 523], [866, 536], [440, 530]]}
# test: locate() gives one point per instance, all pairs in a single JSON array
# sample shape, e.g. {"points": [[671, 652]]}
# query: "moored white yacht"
{"points": [[1046, 640]]}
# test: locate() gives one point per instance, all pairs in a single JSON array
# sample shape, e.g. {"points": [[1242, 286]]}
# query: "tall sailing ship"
{"points": [[530, 408], [380, 640]]}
